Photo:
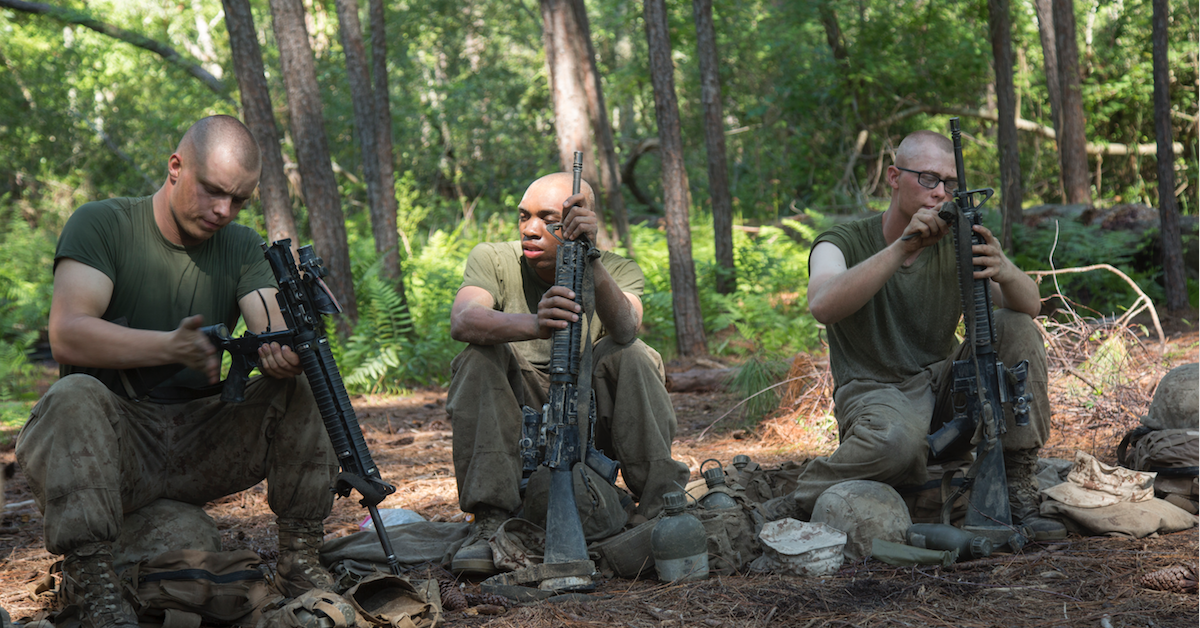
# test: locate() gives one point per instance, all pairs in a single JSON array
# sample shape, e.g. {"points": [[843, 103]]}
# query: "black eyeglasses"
{"points": [[931, 181]]}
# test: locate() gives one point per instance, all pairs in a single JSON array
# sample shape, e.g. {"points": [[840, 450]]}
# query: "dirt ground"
{"points": [[1082, 581]]}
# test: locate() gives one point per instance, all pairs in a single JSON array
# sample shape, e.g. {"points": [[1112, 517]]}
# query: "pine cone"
{"points": [[1177, 579], [491, 599], [452, 598]]}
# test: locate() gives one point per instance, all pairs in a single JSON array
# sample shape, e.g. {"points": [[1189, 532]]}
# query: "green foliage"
{"points": [[1073, 244], [767, 313], [394, 347], [756, 382]]}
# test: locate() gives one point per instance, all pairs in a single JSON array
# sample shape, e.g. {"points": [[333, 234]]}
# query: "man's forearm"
{"points": [[485, 326], [1020, 294], [96, 343], [619, 316], [843, 294]]}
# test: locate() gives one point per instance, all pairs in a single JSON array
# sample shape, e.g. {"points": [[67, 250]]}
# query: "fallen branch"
{"points": [[1143, 302]]}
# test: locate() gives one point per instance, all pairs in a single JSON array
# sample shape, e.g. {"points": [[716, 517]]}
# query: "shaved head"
{"points": [[226, 134], [560, 181], [920, 146]]}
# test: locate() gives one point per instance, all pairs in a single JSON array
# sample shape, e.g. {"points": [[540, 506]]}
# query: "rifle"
{"points": [[304, 300], [552, 438], [981, 383]]}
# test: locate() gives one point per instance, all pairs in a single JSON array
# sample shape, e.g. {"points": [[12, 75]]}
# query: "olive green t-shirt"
{"points": [[156, 283], [909, 324], [501, 269]]}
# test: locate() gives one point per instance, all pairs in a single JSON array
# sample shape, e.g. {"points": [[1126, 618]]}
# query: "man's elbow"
{"points": [[823, 313]]}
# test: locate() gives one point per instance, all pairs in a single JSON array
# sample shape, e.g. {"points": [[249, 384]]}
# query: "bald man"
{"points": [[891, 306], [506, 310], [134, 280]]}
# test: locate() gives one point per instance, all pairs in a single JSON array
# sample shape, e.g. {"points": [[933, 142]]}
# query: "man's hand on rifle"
{"points": [[925, 229], [578, 219], [556, 310], [278, 361], [191, 348]]}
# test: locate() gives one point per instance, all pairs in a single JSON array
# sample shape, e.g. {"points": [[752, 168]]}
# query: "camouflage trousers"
{"points": [[91, 456], [882, 427], [635, 422]]}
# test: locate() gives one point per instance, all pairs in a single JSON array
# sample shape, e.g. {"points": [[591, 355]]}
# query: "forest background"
{"points": [[814, 98]]}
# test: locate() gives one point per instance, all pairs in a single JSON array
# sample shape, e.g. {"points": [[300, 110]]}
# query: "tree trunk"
{"points": [[1045, 17], [1006, 104], [260, 117], [1173, 274], [366, 122], [689, 321], [610, 174], [325, 218], [383, 129], [572, 127], [1072, 141], [714, 145], [168, 54]]}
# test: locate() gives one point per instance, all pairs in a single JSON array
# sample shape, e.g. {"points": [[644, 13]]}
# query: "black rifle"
{"points": [[981, 382], [304, 300], [553, 437]]}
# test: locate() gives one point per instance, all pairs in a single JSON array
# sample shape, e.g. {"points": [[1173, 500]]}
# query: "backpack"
{"points": [[182, 588], [1172, 454]]}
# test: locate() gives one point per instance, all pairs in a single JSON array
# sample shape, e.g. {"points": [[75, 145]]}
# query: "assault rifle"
{"points": [[552, 438], [981, 382], [304, 300]]}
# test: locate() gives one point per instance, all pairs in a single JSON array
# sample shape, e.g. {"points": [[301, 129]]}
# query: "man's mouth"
{"points": [[532, 253]]}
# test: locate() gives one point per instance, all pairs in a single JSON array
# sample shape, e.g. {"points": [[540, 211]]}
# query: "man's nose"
{"points": [[223, 207], [532, 228]]}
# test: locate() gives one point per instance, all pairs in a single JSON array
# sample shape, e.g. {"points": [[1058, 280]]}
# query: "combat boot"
{"points": [[475, 555], [299, 565], [1020, 469], [90, 583]]}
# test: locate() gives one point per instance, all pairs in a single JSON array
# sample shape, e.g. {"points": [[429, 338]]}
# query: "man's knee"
{"points": [[634, 357]]}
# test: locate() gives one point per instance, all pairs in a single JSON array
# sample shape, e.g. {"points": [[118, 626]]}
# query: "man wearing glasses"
{"points": [[886, 287]]}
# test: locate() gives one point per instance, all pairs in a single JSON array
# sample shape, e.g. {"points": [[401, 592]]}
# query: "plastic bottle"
{"points": [[678, 542], [714, 477], [939, 536]]}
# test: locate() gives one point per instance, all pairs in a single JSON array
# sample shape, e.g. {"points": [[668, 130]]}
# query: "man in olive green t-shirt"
{"points": [[134, 281], [506, 310], [886, 287]]}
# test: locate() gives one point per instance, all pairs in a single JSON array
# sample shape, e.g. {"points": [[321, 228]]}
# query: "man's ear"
{"points": [[893, 177], [174, 168]]}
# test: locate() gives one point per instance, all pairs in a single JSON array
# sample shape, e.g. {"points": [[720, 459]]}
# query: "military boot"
{"points": [[475, 555], [1020, 469], [299, 565], [90, 583]]}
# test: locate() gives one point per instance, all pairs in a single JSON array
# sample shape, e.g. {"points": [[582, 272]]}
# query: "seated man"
{"points": [[506, 310], [134, 281], [891, 305]]}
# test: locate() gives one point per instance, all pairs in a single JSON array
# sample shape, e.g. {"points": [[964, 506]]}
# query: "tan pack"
{"points": [[185, 587]]}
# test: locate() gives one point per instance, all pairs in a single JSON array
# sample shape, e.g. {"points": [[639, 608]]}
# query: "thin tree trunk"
{"points": [[1172, 244], [168, 54], [714, 145], [610, 173], [689, 321], [326, 221], [1045, 17], [383, 129], [366, 119], [1072, 141], [571, 123], [260, 117], [1006, 106]]}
